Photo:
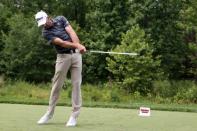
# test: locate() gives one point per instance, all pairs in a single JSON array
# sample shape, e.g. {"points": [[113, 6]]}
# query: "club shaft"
{"points": [[118, 53]]}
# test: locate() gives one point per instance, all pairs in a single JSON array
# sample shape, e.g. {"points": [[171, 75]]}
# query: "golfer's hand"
{"points": [[81, 48]]}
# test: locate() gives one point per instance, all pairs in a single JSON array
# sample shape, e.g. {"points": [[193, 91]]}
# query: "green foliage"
{"points": [[107, 92], [189, 25], [4, 27], [160, 19], [1, 81], [24, 90], [115, 97], [135, 73], [106, 20], [164, 89], [26, 55], [73, 10], [167, 33], [108, 96], [190, 70], [177, 91]]}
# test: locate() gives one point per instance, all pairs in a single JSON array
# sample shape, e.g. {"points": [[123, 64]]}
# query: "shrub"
{"points": [[136, 73], [188, 94], [26, 55], [91, 93], [115, 95], [176, 91], [191, 94], [22, 89], [163, 89], [1, 81]]}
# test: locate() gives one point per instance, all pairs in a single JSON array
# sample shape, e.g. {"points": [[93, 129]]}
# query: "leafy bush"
{"points": [[103, 93], [22, 89], [92, 93], [175, 91], [163, 89], [136, 73], [1, 81], [191, 94], [4, 27], [187, 92], [115, 96], [160, 19], [26, 55]]}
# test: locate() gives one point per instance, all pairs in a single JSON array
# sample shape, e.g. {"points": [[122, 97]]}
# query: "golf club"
{"points": [[117, 53]]}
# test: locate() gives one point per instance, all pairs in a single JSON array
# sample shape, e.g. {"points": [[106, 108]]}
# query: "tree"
{"points": [[27, 57], [160, 20], [106, 20], [4, 28], [138, 72], [189, 25]]}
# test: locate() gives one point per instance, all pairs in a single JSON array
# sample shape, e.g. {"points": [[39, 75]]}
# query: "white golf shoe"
{"points": [[44, 119], [73, 119], [71, 122]]}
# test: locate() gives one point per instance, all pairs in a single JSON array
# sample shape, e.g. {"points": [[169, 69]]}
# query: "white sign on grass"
{"points": [[144, 111]]}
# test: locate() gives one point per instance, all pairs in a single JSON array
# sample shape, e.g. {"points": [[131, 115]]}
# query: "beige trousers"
{"points": [[64, 62]]}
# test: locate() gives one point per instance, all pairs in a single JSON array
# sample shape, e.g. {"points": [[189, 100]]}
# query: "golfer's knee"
{"points": [[76, 83]]}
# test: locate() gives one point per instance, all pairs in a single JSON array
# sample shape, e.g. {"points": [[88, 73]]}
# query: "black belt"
{"points": [[69, 51]]}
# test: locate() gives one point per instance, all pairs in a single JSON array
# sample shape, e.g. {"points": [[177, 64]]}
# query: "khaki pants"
{"points": [[65, 62]]}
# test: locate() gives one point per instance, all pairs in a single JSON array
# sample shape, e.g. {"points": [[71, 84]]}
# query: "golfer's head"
{"points": [[43, 19]]}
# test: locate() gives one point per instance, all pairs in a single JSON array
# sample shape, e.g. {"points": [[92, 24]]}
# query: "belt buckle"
{"points": [[71, 51], [76, 51]]}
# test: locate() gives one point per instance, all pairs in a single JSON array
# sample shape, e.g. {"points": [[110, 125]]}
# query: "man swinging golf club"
{"points": [[61, 35]]}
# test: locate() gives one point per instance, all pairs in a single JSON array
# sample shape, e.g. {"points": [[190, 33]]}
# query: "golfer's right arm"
{"points": [[67, 44]]}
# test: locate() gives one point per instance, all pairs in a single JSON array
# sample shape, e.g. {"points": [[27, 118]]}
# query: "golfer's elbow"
{"points": [[60, 42]]}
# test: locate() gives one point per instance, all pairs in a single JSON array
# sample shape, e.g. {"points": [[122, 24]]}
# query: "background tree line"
{"points": [[162, 32]]}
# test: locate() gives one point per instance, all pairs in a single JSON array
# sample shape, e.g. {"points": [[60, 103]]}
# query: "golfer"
{"points": [[61, 35]]}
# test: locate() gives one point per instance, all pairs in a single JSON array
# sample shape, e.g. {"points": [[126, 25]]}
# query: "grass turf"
{"points": [[15, 117]]}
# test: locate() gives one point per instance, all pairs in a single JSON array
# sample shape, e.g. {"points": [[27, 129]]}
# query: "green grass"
{"points": [[21, 92], [16, 117], [129, 105]]}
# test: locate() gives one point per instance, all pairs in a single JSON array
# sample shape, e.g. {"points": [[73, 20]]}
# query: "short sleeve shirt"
{"points": [[57, 31]]}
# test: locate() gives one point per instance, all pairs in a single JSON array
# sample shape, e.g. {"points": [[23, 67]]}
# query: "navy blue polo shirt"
{"points": [[57, 31]]}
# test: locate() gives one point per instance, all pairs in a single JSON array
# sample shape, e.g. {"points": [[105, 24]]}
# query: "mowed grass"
{"points": [[15, 117]]}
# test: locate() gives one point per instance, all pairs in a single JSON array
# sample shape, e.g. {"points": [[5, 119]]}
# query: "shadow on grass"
{"points": [[53, 124], [81, 125], [90, 124]]}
